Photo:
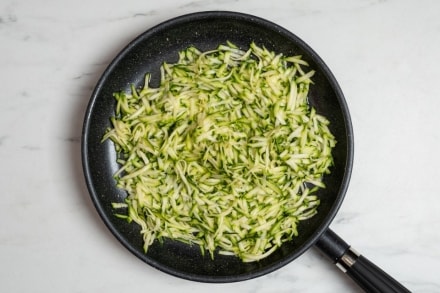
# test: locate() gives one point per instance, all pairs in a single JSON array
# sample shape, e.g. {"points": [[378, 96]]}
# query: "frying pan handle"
{"points": [[366, 274]]}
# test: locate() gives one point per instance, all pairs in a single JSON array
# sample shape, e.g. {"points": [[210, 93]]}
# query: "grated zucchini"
{"points": [[226, 153]]}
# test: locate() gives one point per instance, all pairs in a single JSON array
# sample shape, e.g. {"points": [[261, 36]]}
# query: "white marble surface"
{"points": [[385, 54]]}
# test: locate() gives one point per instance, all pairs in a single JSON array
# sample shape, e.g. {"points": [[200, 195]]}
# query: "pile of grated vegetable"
{"points": [[226, 153]]}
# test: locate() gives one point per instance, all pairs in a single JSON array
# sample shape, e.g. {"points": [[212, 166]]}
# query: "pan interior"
{"points": [[206, 31]]}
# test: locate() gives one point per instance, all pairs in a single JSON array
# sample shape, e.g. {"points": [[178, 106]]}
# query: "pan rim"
{"points": [[178, 21]]}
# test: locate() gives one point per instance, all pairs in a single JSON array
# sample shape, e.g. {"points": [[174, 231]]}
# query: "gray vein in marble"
{"points": [[345, 218], [7, 19], [3, 139], [83, 75], [31, 147], [107, 21], [203, 3], [146, 14], [374, 2], [72, 139]]}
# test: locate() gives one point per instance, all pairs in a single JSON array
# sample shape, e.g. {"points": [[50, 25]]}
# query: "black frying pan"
{"points": [[206, 30]]}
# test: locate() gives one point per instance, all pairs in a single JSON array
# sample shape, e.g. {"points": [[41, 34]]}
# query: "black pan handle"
{"points": [[366, 274]]}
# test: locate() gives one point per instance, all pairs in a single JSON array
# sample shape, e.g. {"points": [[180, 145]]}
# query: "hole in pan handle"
{"points": [[366, 274]]}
